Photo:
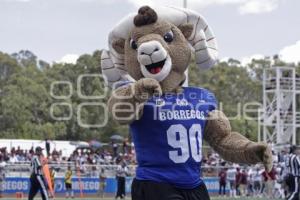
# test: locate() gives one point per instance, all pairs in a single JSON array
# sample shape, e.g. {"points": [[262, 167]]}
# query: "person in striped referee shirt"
{"points": [[37, 180], [293, 165]]}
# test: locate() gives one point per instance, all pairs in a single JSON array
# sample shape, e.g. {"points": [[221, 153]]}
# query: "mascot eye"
{"points": [[168, 37], [133, 44]]}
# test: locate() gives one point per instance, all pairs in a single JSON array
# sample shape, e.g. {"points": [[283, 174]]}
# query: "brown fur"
{"points": [[179, 51], [231, 145], [186, 29], [146, 15], [118, 45], [134, 96]]}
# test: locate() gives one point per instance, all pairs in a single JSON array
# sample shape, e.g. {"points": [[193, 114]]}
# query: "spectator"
{"points": [[250, 187], [222, 182], [13, 158], [238, 179], [68, 183], [115, 147], [279, 180], [257, 187], [269, 181], [231, 178], [244, 183], [121, 179], [80, 162], [102, 183], [125, 146]]}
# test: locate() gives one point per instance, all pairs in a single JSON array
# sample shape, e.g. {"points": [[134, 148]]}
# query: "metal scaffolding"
{"points": [[280, 115]]}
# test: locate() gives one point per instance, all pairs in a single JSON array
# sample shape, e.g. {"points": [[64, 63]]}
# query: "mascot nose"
{"points": [[148, 48], [151, 52]]}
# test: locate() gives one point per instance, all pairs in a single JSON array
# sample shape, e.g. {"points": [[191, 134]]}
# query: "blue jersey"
{"points": [[168, 137]]}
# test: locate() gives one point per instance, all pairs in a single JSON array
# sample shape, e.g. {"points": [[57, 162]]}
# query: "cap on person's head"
{"points": [[39, 149]]}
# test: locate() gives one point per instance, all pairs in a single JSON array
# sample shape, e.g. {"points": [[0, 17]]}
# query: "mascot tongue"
{"points": [[155, 70]]}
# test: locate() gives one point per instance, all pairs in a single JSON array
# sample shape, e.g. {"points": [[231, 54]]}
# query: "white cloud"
{"points": [[69, 58], [224, 59], [243, 6], [291, 54], [288, 54], [248, 59], [258, 6]]}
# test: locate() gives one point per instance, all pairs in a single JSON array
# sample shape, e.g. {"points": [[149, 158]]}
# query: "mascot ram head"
{"points": [[158, 44]]}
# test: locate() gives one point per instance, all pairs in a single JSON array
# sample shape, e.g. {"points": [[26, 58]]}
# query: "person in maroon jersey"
{"points": [[244, 182], [238, 179], [222, 181], [269, 181]]}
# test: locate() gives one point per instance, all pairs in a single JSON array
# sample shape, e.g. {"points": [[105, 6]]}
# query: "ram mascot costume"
{"points": [[148, 55]]}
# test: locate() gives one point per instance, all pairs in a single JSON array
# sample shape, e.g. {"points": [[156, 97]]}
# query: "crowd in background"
{"points": [[251, 181], [112, 154], [240, 180], [254, 180]]}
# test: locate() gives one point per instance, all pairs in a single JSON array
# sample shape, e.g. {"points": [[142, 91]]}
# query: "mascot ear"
{"points": [[186, 29], [119, 45]]}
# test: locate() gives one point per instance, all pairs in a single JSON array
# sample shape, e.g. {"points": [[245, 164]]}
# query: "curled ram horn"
{"points": [[202, 40], [113, 74]]}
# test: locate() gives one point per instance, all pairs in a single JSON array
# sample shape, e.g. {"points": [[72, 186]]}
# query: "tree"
{"points": [[26, 100], [233, 87]]}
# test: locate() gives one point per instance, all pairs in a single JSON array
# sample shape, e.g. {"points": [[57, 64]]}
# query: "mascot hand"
{"points": [[145, 88], [263, 154]]}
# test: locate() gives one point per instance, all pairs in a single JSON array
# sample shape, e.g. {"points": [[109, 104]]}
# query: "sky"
{"points": [[60, 30]]}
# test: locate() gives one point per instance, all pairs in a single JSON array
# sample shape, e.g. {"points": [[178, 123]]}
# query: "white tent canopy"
{"points": [[66, 147]]}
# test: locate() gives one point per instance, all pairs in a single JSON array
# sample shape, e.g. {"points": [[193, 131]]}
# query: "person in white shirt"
{"points": [[122, 172], [251, 173], [231, 178], [13, 158], [257, 179]]}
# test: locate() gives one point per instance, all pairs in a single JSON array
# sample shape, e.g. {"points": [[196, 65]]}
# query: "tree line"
{"points": [[31, 101]]}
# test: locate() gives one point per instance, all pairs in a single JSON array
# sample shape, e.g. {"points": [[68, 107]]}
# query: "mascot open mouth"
{"points": [[155, 68], [158, 70]]}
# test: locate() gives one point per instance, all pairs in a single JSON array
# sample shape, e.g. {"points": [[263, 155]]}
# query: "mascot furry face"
{"points": [[156, 49], [158, 45], [149, 53]]}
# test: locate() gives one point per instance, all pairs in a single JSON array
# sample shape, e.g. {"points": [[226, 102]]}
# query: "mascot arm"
{"points": [[232, 146], [127, 102]]}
